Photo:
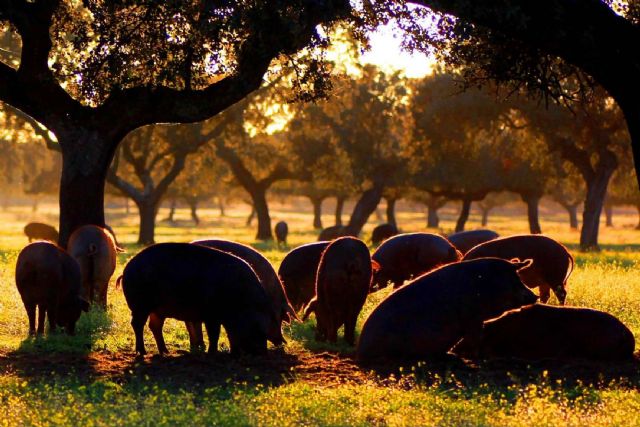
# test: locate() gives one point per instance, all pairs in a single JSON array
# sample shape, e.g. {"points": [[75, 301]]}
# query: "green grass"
{"points": [[94, 377]]}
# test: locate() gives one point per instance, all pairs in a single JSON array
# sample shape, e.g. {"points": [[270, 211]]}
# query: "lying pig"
{"points": [[95, 250], [40, 231], [266, 274], [298, 273], [409, 255], [342, 286], [425, 318], [49, 279], [552, 262], [547, 332], [382, 232], [281, 229], [465, 240], [194, 283]]}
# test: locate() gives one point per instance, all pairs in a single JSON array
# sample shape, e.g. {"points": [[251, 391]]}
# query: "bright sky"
{"points": [[386, 53]]}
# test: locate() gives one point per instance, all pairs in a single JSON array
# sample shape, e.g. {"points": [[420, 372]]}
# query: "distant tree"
{"points": [[149, 161], [490, 202], [568, 190]]}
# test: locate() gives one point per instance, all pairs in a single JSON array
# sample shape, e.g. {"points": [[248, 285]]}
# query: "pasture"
{"points": [[94, 377]]}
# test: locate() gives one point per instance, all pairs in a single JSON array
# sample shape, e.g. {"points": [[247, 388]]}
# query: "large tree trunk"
{"points": [[594, 202], [127, 209], [638, 209], [339, 208], [85, 161], [533, 202], [433, 220], [147, 209], [464, 215], [365, 206], [259, 198], [608, 212], [317, 212], [391, 212], [252, 215]]}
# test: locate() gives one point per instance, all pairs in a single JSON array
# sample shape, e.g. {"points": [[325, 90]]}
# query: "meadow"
{"points": [[94, 378]]}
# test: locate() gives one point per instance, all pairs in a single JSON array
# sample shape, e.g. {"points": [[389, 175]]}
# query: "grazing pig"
{"points": [[333, 232], [552, 262], [383, 232], [465, 240], [298, 273], [94, 249], [194, 283], [409, 255], [266, 274], [548, 332], [281, 229], [342, 285], [40, 231], [49, 279], [428, 316]]}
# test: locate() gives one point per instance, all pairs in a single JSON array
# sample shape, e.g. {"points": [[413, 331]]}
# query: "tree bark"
{"points": [[127, 210], [252, 215], [193, 205], [391, 212], [261, 207], [608, 211], [638, 209], [533, 202], [148, 210], [433, 220], [485, 216], [365, 206], [464, 215], [317, 212], [172, 210], [339, 208], [85, 160], [596, 193], [572, 210], [221, 206]]}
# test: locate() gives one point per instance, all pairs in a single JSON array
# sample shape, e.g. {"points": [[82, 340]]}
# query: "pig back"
{"points": [[95, 251], [192, 283], [298, 272], [465, 240]]}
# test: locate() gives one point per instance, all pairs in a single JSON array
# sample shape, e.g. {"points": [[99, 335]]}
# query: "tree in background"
{"points": [[149, 161]]}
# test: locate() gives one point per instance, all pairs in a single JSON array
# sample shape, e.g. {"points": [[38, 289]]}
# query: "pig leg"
{"points": [[31, 314], [52, 314], [545, 293], [350, 328], [42, 311], [213, 332], [196, 339], [138, 321], [101, 294], [155, 324]]}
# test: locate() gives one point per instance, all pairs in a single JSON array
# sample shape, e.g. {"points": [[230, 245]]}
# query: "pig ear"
{"points": [[375, 266], [521, 265]]}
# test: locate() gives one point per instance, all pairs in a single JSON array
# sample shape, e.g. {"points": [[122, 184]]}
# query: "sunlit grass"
{"points": [[607, 280]]}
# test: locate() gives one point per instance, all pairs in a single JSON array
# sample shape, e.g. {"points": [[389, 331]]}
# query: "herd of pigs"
{"points": [[468, 294]]}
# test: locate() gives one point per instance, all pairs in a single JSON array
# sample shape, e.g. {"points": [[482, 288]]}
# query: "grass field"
{"points": [[94, 378]]}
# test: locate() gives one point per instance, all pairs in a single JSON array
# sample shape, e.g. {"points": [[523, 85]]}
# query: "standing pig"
{"points": [[266, 274], [383, 232], [428, 316], [409, 255], [342, 285], [298, 273], [40, 231], [194, 283], [115, 239], [94, 249], [49, 279], [552, 262], [465, 240], [281, 229], [543, 331]]}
